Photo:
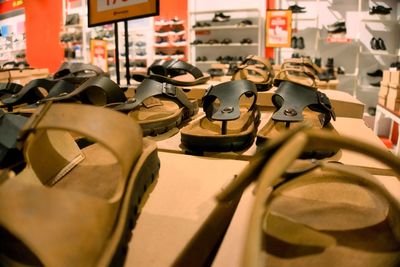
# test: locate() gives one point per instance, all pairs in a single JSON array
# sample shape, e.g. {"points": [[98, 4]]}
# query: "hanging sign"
{"points": [[108, 11], [98, 54], [278, 28]]}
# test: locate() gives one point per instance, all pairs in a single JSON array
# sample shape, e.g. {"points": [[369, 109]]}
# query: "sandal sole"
{"points": [[145, 176]]}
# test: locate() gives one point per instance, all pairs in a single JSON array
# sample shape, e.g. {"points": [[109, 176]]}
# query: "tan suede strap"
{"points": [[116, 131]]}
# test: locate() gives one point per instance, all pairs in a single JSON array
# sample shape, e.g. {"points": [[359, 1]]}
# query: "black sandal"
{"points": [[174, 72], [226, 126], [158, 107], [291, 99]]}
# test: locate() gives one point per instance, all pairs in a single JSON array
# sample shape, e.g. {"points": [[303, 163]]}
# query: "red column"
{"points": [[42, 27]]}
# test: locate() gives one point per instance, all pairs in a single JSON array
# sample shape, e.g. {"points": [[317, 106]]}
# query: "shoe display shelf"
{"points": [[374, 54], [12, 39], [74, 35], [170, 39], [224, 34], [305, 19]]}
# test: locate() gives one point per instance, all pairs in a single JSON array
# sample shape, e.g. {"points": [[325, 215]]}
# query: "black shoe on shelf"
{"points": [[395, 65], [245, 22], [317, 61], [226, 41], [377, 73], [246, 41], [297, 9], [330, 63], [380, 10], [212, 41], [376, 84], [197, 41], [339, 29], [374, 43], [300, 43], [337, 24], [294, 42], [220, 17], [381, 44]]}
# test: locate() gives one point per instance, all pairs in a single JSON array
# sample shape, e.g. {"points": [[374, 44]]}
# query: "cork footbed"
{"points": [[329, 221], [272, 129]]}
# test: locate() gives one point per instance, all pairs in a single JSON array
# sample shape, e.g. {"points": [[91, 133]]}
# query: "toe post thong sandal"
{"points": [[158, 107], [176, 72], [328, 214], [227, 125], [72, 206], [296, 103], [256, 69]]}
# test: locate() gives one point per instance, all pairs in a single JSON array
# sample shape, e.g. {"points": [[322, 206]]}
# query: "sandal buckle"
{"points": [[169, 89]]}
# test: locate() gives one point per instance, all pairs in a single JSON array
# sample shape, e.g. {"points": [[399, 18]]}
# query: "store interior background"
{"points": [[36, 27]]}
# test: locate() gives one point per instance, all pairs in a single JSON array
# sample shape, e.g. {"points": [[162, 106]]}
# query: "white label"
{"points": [[104, 5]]}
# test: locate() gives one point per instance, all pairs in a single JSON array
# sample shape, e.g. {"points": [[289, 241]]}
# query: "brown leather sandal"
{"points": [[73, 207], [257, 70], [324, 214]]}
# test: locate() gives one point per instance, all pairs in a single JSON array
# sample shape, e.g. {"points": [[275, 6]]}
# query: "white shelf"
{"points": [[225, 45], [224, 27], [379, 53]]}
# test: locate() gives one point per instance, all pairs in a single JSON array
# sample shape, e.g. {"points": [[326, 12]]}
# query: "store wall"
{"points": [[43, 24]]}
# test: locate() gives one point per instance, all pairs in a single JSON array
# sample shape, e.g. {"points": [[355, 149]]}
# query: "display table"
{"points": [[382, 112]]}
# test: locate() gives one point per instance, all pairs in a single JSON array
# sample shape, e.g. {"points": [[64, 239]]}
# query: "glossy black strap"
{"points": [[149, 88], [98, 90], [68, 69], [228, 94], [174, 67], [291, 99]]}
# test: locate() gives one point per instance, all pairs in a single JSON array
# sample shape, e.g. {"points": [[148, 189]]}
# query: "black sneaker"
{"points": [[300, 43], [377, 84], [297, 9], [337, 24], [377, 73], [380, 10], [374, 44], [381, 44], [220, 17]]}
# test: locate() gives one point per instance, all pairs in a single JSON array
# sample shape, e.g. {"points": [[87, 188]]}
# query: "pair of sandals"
{"points": [[256, 69], [72, 82]]}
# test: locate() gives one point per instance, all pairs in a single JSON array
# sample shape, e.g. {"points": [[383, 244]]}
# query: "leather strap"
{"points": [[68, 70], [300, 70], [28, 93], [149, 88], [9, 88], [259, 59], [111, 129], [228, 94], [98, 90], [174, 67], [291, 99]]}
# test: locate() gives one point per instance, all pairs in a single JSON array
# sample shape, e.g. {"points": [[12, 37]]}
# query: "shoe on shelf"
{"points": [[377, 73], [374, 43], [380, 10], [339, 29], [212, 41], [395, 65], [245, 22], [330, 63], [317, 61], [220, 17], [381, 44], [337, 24], [297, 9], [341, 70], [376, 84], [226, 41], [246, 41], [300, 43], [294, 42], [197, 41]]}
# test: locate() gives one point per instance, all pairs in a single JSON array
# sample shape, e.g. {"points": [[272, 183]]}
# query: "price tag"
{"points": [[110, 11], [105, 5]]}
